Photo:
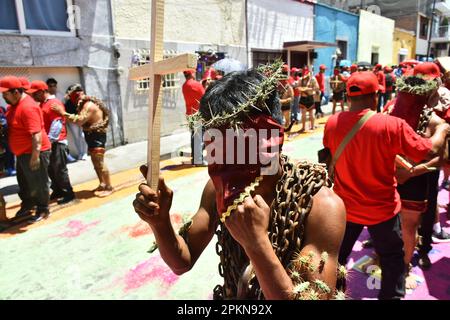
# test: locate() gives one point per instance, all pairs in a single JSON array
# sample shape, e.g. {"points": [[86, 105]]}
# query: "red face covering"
{"points": [[75, 97], [409, 107], [336, 72], [231, 178]]}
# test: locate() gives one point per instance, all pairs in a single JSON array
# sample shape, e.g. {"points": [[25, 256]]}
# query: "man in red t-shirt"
{"points": [[382, 82], [365, 176], [55, 127], [193, 92], [320, 77], [29, 142]]}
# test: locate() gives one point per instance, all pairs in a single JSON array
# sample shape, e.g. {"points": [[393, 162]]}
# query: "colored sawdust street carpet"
{"points": [[98, 249]]}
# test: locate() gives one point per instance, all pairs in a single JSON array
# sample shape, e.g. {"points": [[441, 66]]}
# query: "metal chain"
{"points": [[289, 211], [424, 121]]}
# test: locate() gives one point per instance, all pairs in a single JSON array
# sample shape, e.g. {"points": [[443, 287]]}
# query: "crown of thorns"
{"points": [[272, 74], [416, 85]]}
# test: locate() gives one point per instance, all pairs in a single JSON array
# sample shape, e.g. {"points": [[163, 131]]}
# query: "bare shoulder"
{"points": [[326, 223]]}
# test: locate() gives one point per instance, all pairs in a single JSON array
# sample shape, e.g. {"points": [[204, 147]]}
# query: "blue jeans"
{"points": [[295, 112]]}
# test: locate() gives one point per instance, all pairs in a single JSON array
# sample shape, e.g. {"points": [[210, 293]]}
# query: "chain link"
{"points": [[289, 211]]}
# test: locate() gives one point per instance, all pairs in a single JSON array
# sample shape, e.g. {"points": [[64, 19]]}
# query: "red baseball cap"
{"points": [[323, 67], [361, 83], [189, 71], [294, 70], [38, 86], [25, 83], [9, 82], [428, 70], [354, 68]]}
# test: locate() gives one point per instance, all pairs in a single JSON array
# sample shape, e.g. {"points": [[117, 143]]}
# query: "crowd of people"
{"points": [[384, 154], [34, 130]]}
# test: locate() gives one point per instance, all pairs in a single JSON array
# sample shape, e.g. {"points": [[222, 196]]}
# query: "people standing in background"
{"points": [[293, 79], [382, 81], [55, 127], [53, 89], [390, 83], [193, 92], [321, 79], [29, 142], [338, 87], [75, 134]]}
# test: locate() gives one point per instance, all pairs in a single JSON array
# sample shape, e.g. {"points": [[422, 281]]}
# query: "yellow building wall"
{"points": [[403, 40]]}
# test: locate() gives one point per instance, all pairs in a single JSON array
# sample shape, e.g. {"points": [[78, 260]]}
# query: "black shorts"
{"points": [[415, 189], [308, 101], [95, 139], [338, 96], [286, 107]]}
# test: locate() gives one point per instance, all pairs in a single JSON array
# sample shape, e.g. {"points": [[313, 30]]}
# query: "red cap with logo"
{"points": [[361, 83], [189, 72], [9, 82], [323, 67], [428, 70], [38, 86], [354, 68]]}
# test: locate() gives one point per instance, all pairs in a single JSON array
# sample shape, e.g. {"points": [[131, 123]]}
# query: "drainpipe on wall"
{"points": [[246, 34]]}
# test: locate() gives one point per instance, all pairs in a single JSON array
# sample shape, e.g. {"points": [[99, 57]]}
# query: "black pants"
{"points": [[57, 170], [426, 227], [388, 243], [34, 187], [319, 105]]}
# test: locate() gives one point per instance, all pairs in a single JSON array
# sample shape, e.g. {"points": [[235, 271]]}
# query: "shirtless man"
{"points": [[256, 263], [93, 117], [417, 96]]}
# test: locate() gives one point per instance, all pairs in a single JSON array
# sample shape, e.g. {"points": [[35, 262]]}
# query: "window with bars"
{"points": [[142, 57]]}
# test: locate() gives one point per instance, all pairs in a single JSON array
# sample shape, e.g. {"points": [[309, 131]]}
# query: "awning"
{"points": [[307, 45]]}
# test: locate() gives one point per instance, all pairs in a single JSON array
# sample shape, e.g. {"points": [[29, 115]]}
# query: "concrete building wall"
{"points": [[404, 45], [90, 54], [376, 35], [271, 23], [332, 25], [190, 26]]}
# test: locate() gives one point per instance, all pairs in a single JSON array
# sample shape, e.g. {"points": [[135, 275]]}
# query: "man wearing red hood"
{"points": [[271, 238], [417, 95]]}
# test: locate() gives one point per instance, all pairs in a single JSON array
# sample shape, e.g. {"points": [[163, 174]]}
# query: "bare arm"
{"points": [[291, 95], [36, 140], [79, 119], [179, 255]]}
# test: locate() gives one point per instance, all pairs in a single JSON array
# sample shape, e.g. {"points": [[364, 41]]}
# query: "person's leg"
{"points": [[312, 118], [3, 217], [410, 224], [23, 163], [388, 243], [53, 174], [98, 159], [342, 105], [428, 220], [303, 119], [62, 173], [41, 184], [352, 233], [334, 106], [294, 109]]}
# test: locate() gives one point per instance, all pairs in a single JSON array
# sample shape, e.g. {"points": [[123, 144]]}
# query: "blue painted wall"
{"points": [[330, 25]]}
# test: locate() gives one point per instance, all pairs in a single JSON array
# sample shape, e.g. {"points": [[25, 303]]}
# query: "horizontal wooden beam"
{"points": [[168, 66]]}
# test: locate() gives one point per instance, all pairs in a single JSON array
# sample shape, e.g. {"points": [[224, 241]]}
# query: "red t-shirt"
{"points": [[193, 92], [382, 81], [291, 81], [50, 116], [364, 174], [320, 77], [24, 120]]}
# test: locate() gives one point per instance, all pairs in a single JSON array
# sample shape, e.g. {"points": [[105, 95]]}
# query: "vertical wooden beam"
{"points": [[155, 98]]}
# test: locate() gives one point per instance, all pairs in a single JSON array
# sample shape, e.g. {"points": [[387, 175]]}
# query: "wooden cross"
{"points": [[155, 70]]}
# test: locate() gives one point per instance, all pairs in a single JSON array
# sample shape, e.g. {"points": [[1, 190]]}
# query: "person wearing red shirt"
{"points": [[321, 78], [390, 80], [382, 82], [55, 127], [29, 142], [367, 188], [193, 92]]}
